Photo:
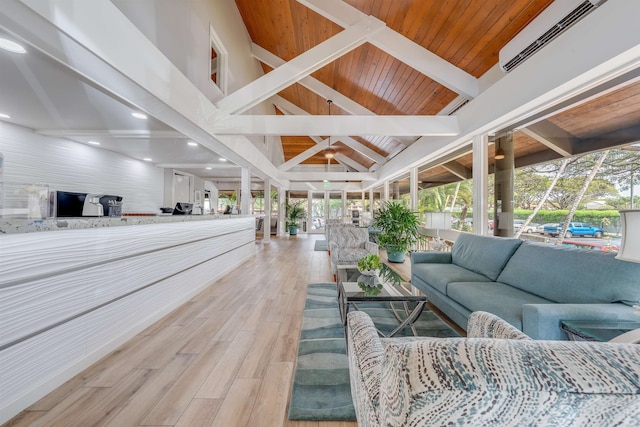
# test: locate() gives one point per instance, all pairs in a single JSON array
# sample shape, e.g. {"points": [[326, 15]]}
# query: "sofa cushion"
{"points": [[483, 254], [498, 298], [440, 275], [569, 275]]}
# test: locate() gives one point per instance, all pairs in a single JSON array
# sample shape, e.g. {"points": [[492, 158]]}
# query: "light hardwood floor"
{"points": [[225, 358]]}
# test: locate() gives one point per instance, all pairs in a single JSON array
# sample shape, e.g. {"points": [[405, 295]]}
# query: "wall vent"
{"points": [[552, 22]]}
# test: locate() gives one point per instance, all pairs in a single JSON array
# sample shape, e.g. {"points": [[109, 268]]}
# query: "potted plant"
{"points": [[295, 213], [369, 264], [398, 227]]}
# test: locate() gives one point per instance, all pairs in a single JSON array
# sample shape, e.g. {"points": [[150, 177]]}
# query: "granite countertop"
{"points": [[13, 226]]}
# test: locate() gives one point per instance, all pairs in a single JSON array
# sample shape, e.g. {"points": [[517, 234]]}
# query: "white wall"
{"points": [[70, 166], [180, 30]]}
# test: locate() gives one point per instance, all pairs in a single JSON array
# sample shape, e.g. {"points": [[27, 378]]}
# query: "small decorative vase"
{"points": [[368, 272]]}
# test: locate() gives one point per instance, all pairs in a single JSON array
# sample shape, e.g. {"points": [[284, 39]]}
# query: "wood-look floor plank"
{"points": [[286, 347], [199, 413], [271, 405], [236, 408], [217, 383], [135, 408], [255, 364], [171, 406], [86, 405]]}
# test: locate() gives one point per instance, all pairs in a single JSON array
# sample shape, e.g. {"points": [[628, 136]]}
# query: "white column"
{"points": [[413, 188], [480, 184], [281, 203], [345, 215], [245, 191], [266, 225], [371, 202], [385, 192]]}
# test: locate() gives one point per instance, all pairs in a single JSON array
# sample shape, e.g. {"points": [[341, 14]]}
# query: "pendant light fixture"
{"points": [[329, 152]]}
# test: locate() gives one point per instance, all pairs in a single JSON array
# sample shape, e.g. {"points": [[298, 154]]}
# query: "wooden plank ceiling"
{"points": [[467, 33]]}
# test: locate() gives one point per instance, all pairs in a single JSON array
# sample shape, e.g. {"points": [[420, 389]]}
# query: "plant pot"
{"points": [[395, 256], [293, 231]]}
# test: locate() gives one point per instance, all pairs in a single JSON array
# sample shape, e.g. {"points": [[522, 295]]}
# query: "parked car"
{"points": [[574, 229], [605, 247], [530, 228], [540, 228]]}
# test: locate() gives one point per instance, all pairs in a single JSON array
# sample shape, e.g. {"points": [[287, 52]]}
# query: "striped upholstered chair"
{"points": [[503, 379], [348, 245]]}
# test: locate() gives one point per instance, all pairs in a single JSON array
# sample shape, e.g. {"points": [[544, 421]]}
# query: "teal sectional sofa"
{"points": [[533, 286]]}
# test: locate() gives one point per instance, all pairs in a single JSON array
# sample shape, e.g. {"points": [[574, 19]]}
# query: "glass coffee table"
{"points": [[355, 288]]}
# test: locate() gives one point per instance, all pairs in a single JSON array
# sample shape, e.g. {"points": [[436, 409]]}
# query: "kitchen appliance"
{"points": [[111, 205], [92, 205]]}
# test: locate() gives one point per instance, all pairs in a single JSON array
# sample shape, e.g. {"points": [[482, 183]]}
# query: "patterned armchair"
{"points": [[498, 378], [348, 245], [333, 224]]}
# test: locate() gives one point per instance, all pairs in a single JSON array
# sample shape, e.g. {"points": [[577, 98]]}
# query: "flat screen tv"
{"points": [[183, 208]]}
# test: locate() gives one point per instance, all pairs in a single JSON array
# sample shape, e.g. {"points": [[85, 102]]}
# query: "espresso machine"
{"points": [[92, 205]]}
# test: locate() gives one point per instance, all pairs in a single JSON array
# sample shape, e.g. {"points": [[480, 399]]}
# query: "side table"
{"points": [[623, 331]]}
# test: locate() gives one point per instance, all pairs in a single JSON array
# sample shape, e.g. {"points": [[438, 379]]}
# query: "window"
{"points": [[218, 64]]}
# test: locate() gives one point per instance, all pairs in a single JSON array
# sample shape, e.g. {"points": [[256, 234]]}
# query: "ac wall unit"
{"points": [[553, 21]]}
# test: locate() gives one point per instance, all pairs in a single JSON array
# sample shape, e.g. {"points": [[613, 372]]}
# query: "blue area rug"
{"points": [[321, 389], [320, 245]]}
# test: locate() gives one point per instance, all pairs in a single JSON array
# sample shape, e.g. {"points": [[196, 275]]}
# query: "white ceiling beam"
{"points": [[330, 186], [400, 47], [552, 137], [336, 125], [348, 161], [197, 165], [300, 66], [291, 108], [458, 169], [287, 107], [124, 134], [294, 161], [331, 176], [361, 148], [314, 85]]}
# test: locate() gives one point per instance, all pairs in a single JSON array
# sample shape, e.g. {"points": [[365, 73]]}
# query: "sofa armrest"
{"points": [[366, 355], [486, 325], [542, 321], [371, 247], [433, 257]]}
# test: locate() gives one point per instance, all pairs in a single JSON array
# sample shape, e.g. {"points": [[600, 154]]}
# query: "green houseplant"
{"points": [[398, 227], [295, 213]]}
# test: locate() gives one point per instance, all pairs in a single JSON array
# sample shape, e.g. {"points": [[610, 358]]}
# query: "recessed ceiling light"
{"points": [[222, 159], [93, 142], [4, 116], [147, 159], [208, 168], [139, 116], [193, 144], [11, 46]]}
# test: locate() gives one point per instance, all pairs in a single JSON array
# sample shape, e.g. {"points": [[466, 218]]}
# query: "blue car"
{"points": [[575, 229]]}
